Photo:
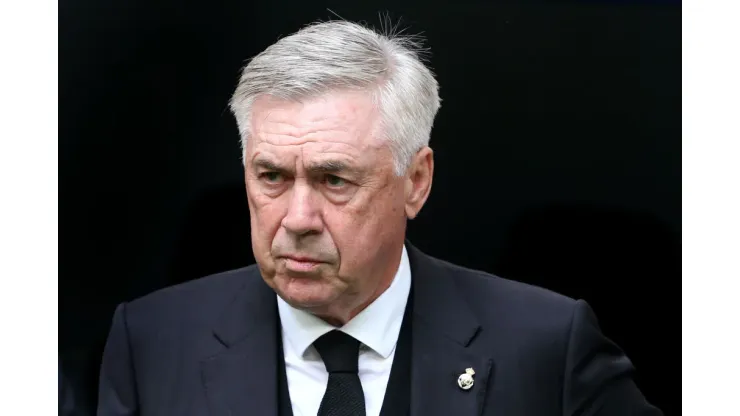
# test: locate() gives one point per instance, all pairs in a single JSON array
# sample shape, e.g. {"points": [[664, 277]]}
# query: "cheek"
{"points": [[265, 216], [361, 230]]}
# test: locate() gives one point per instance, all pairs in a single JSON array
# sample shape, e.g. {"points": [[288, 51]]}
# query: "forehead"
{"points": [[342, 121]]}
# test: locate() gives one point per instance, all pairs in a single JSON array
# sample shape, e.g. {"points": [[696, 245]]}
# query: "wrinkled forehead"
{"points": [[340, 119]]}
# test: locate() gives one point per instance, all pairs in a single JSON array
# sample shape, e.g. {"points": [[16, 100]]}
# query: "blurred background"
{"points": [[557, 148]]}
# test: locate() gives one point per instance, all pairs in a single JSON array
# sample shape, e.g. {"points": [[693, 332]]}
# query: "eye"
{"points": [[271, 177], [335, 181]]}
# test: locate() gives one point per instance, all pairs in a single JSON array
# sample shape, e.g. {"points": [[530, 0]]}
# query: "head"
{"points": [[334, 123]]}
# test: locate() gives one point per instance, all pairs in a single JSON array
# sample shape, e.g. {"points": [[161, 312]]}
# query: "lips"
{"points": [[301, 264], [302, 259]]}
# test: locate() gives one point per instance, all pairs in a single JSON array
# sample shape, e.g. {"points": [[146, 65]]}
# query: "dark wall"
{"points": [[557, 154]]}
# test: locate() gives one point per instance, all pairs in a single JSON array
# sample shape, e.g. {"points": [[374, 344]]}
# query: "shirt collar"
{"points": [[377, 326]]}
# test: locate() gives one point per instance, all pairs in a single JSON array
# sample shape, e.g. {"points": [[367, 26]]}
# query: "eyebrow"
{"points": [[333, 166], [325, 166], [329, 166], [267, 164]]}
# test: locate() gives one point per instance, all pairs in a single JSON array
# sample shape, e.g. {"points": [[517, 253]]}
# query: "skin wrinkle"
{"points": [[307, 131], [357, 228]]}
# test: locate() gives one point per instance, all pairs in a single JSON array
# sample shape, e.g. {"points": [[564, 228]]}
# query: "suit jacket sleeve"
{"points": [[598, 376], [117, 389], [67, 402]]}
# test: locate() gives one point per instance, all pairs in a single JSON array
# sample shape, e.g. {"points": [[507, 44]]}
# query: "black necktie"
{"points": [[344, 396]]}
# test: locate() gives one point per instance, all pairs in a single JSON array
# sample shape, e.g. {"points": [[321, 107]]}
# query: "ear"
{"points": [[419, 181]]}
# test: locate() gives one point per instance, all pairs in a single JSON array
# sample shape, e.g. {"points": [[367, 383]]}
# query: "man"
{"points": [[341, 315]]}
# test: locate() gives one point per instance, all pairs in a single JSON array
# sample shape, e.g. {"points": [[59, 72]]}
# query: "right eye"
{"points": [[271, 177]]}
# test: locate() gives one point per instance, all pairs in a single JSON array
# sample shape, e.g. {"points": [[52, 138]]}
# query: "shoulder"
{"points": [[199, 300], [535, 322], [505, 302]]}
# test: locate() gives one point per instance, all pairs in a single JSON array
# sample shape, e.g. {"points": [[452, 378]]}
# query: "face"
{"points": [[328, 213]]}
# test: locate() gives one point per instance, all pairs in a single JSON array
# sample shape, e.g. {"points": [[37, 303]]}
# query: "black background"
{"points": [[557, 155]]}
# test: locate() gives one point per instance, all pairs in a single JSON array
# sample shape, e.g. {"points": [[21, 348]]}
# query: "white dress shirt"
{"points": [[376, 327]]}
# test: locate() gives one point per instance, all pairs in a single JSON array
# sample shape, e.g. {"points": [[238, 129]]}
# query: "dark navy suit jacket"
{"points": [[208, 347]]}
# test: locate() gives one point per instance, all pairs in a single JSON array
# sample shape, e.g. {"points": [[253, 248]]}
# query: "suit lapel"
{"points": [[242, 378], [443, 344]]}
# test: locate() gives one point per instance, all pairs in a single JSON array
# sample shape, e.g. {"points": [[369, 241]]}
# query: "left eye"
{"points": [[335, 181]]}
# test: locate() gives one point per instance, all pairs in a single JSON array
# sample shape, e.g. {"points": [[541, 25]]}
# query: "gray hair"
{"points": [[336, 55]]}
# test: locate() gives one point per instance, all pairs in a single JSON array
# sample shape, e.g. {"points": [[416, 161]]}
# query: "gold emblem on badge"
{"points": [[465, 381]]}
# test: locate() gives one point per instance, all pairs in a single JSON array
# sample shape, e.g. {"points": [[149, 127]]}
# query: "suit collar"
{"points": [[437, 300], [377, 326], [444, 344], [250, 309], [438, 303], [242, 377]]}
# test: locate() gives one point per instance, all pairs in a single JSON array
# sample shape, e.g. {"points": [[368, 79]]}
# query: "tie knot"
{"points": [[339, 352]]}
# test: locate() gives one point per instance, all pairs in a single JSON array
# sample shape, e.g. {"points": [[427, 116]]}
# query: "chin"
{"points": [[304, 293]]}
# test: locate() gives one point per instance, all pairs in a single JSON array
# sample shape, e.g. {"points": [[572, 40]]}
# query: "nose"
{"points": [[303, 216]]}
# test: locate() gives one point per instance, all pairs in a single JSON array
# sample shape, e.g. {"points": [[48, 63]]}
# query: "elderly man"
{"points": [[341, 315]]}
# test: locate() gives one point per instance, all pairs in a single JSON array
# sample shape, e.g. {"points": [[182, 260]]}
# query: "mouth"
{"points": [[301, 264]]}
